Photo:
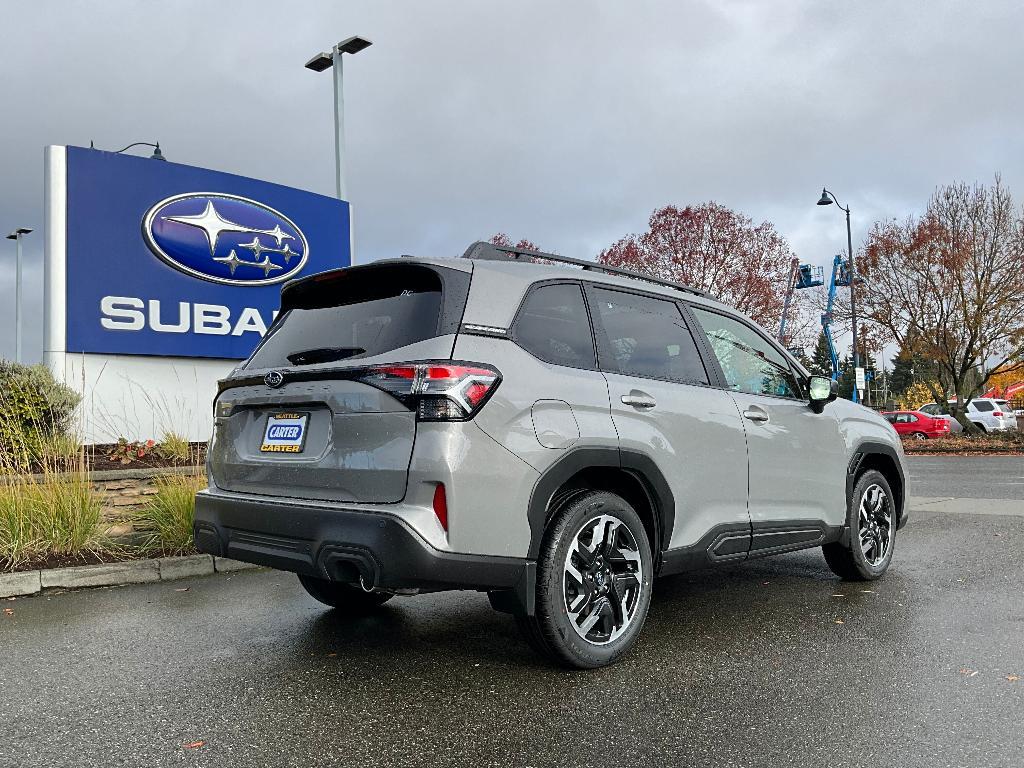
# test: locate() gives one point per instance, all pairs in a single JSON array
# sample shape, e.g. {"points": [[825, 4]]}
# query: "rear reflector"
{"points": [[441, 506]]}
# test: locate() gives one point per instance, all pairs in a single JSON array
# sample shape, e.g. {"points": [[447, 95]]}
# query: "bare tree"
{"points": [[951, 284]]}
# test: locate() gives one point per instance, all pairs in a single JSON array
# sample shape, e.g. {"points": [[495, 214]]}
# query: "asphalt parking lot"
{"points": [[771, 663]]}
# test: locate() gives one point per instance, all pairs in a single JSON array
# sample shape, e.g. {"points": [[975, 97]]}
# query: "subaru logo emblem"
{"points": [[225, 239], [274, 379]]}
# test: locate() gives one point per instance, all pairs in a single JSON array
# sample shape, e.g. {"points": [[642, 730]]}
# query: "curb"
{"points": [[25, 583]]}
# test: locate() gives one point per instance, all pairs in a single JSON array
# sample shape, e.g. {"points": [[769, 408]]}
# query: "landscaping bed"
{"points": [[116, 456], [990, 444]]}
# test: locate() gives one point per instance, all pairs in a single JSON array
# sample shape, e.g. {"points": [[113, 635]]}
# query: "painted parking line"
{"points": [[1012, 507]]}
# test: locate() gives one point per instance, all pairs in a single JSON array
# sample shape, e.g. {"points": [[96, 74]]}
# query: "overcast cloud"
{"points": [[563, 122]]}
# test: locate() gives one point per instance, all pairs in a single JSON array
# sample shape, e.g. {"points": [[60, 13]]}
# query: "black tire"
{"points": [[981, 427], [615, 583], [347, 597], [919, 436], [852, 561]]}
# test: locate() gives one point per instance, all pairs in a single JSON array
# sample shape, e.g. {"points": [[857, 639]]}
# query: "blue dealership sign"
{"points": [[171, 260]]}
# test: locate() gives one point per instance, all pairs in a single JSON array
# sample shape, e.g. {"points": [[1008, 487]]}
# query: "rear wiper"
{"points": [[323, 355]]}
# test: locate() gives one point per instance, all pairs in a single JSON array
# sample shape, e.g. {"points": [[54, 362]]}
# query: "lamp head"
{"points": [[157, 154], [824, 199], [353, 44], [18, 232]]}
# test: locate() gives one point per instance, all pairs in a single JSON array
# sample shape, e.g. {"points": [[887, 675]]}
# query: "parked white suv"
{"points": [[988, 414]]}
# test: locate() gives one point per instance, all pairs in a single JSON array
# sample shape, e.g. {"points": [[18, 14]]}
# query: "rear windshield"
{"points": [[353, 314]]}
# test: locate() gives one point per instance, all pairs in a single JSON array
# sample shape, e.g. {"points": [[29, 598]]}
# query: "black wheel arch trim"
{"points": [[869, 448], [641, 466]]}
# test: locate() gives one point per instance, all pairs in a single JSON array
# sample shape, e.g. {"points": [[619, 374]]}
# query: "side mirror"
{"points": [[822, 391]]}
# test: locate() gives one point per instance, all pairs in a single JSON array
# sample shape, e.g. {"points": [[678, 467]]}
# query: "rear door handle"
{"points": [[638, 399], [755, 414]]}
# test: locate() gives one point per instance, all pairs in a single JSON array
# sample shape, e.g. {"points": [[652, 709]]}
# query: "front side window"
{"points": [[648, 337], [750, 364], [553, 326]]}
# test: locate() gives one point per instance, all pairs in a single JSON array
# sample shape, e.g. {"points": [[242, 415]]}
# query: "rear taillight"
{"points": [[997, 413], [438, 391]]}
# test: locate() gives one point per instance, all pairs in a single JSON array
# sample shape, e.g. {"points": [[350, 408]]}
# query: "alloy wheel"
{"points": [[876, 525], [603, 579]]}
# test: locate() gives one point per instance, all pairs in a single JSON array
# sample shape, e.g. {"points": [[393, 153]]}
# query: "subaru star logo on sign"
{"points": [[225, 239], [166, 259]]}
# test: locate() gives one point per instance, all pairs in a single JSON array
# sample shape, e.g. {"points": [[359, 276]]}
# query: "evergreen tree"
{"points": [[847, 377], [821, 361], [902, 375]]}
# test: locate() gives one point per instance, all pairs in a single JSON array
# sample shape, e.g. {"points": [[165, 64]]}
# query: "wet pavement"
{"points": [[973, 477], [772, 663]]}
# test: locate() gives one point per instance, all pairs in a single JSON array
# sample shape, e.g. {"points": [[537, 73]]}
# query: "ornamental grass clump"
{"points": [[48, 515], [168, 514]]}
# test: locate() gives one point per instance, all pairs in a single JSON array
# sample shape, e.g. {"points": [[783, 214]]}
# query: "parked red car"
{"points": [[916, 424]]}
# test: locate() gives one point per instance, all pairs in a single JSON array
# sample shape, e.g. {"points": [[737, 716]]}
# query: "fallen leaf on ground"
{"points": [[840, 621], [183, 589], [1013, 678], [8, 611], [194, 744], [968, 672]]}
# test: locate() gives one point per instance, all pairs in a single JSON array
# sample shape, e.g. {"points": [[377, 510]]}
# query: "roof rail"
{"points": [[491, 252]]}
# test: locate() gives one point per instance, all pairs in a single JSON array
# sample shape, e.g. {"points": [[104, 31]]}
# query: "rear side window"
{"points": [[983, 405], [353, 314], [553, 326], [1002, 405], [931, 409], [750, 364], [648, 337], [890, 417]]}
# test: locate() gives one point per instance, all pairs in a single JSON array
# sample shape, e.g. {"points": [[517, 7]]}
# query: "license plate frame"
{"points": [[284, 425]]}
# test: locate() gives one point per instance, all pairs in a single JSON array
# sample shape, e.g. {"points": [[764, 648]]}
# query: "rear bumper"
{"points": [[349, 545]]}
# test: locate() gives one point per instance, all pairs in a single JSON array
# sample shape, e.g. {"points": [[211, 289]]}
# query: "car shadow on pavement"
{"points": [[705, 606]]}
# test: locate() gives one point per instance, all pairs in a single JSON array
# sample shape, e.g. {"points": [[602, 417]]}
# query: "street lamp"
{"points": [[157, 154], [827, 198], [326, 60], [16, 236]]}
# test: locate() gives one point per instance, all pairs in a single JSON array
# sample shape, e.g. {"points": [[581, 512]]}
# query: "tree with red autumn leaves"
{"points": [[951, 285], [714, 249], [504, 240]]}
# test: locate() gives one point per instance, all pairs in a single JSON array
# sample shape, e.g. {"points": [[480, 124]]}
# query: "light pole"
{"points": [[827, 198], [16, 236], [326, 60]]}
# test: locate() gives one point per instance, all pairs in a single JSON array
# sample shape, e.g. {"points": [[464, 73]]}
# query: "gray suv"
{"points": [[551, 431]]}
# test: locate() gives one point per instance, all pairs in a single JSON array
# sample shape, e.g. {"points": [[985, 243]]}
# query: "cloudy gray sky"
{"points": [[564, 122]]}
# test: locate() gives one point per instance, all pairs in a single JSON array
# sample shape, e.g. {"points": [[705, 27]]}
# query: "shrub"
{"points": [[34, 407], [170, 511]]}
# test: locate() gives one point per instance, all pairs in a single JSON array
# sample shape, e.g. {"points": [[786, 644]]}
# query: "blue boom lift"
{"points": [[809, 276]]}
